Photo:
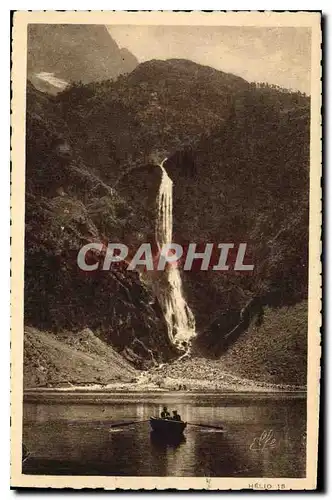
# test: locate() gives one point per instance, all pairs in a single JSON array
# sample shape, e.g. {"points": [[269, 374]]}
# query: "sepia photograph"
{"points": [[166, 208]]}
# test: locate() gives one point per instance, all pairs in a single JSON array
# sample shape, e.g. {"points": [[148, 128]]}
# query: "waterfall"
{"points": [[180, 320]]}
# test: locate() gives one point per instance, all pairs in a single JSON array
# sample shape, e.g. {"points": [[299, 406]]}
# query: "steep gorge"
{"points": [[238, 160]]}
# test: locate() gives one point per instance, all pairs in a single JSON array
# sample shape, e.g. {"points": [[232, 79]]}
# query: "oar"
{"points": [[206, 425], [123, 424]]}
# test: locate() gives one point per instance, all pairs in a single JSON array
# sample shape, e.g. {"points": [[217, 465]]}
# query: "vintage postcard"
{"points": [[166, 221]]}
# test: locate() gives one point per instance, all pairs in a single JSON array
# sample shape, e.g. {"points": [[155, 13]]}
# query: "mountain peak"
{"points": [[73, 52], [177, 69]]}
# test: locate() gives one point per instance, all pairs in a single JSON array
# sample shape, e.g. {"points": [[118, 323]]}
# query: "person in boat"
{"points": [[165, 413], [176, 416]]}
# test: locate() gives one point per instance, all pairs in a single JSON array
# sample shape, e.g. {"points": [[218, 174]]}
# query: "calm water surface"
{"points": [[71, 434]]}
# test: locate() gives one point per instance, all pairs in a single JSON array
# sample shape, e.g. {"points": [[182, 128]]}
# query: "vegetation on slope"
{"points": [[272, 352], [275, 350], [239, 158], [68, 206], [69, 359]]}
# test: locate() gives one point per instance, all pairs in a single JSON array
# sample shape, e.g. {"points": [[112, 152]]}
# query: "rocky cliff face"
{"points": [[66, 207], [75, 52], [249, 182], [238, 155]]}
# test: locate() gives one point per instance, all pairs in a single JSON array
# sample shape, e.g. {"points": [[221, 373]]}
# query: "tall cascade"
{"points": [[180, 319]]}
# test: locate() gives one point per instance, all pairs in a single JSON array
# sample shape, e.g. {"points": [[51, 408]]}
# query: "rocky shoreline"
{"points": [[148, 382], [85, 363]]}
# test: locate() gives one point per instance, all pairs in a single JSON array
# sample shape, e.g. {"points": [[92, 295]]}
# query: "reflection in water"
{"points": [[162, 442], [68, 438], [165, 452]]}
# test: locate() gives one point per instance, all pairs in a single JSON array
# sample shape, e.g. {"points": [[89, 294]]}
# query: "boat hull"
{"points": [[167, 427]]}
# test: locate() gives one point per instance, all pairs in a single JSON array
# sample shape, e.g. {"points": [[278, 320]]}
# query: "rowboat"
{"points": [[167, 427]]}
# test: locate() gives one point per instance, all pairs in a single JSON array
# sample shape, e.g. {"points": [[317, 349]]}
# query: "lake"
{"points": [[70, 433]]}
